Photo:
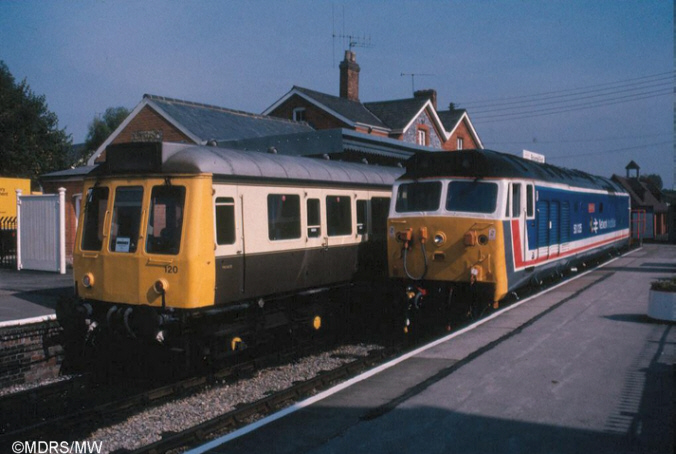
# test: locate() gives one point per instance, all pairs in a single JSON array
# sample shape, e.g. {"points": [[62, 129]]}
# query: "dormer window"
{"points": [[422, 137], [460, 143], [299, 114]]}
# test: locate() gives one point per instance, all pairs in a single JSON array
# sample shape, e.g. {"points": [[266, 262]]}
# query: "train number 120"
{"points": [[170, 269]]}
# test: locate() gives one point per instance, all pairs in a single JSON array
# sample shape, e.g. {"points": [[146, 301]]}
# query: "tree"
{"points": [[102, 127], [30, 142], [654, 179]]}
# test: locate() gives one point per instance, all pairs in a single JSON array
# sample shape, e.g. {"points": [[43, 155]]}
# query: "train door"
{"points": [[565, 226], [543, 228], [229, 242], [517, 198], [317, 266], [554, 228]]}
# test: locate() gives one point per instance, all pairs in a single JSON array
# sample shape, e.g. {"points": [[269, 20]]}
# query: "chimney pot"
{"points": [[428, 93], [349, 77]]}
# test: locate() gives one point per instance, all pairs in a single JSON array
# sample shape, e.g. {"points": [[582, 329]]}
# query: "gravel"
{"points": [[146, 427], [35, 384]]}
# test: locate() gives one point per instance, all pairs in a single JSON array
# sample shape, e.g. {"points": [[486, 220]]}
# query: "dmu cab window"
{"points": [[283, 216], [472, 196], [418, 196], [165, 222], [126, 220], [338, 215], [225, 220], [94, 215]]}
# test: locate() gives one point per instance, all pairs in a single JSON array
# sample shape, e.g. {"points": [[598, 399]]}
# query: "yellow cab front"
{"points": [[146, 241]]}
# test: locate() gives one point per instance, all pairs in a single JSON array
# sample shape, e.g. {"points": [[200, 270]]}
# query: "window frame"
{"points": [[295, 221], [345, 215]]}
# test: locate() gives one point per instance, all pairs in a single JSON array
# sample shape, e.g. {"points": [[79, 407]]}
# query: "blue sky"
{"points": [[589, 84]]}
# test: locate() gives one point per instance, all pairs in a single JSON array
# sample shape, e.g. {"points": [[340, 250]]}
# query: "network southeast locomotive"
{"points": [[492, 222], [205, 248]]}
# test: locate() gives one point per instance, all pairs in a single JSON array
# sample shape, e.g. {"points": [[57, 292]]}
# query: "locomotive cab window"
{"points": [[94, 214], [283, 216], [225, 220], [362, 215], [165, 221], [314, 228], [472, 196], [418, 196], [126, 220], [338, 215], [530, 201]]}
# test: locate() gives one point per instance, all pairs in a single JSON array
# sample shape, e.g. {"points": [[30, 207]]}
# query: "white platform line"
{"points": [[28, 321], [329, 392]]}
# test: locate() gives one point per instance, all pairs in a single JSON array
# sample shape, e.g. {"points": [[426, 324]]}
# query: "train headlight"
{"points": [[439, 238], [88, 280], [160, 286]]}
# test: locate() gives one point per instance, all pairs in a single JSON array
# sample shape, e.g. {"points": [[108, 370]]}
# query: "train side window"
{"points": [[601, 207], [94, 214], [283, 216], [516, 200], [126, 220], [362, 216], [380, 210], [338, 215], [225, 220], [530, 201], [165, 222], [314, 228]]}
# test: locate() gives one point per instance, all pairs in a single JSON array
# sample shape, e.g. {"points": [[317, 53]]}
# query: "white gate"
{"points": [[41, 232]]}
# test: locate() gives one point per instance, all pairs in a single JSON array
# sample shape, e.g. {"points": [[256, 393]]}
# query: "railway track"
{"points": [[247, 413], [80, 405]]}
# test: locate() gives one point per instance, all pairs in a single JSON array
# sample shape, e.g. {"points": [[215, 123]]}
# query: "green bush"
{"points": [[664, 285]]}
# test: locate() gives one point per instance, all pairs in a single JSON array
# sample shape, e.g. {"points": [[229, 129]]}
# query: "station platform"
{"points": [[28, 296], [578, 369]]}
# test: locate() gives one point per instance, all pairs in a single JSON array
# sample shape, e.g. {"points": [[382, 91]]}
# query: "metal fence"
{"points": [[8, 242]]}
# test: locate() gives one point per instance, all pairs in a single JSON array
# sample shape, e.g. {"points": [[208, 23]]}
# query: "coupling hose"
{"points": [[424, 254]]}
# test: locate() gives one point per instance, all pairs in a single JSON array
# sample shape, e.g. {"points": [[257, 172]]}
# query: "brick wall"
{"points": [[29, 353], [315, 117], [461, 131], [148, 125]]}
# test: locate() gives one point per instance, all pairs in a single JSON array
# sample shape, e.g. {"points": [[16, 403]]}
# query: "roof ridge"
{"points": [[217, 108], [422, 100]]}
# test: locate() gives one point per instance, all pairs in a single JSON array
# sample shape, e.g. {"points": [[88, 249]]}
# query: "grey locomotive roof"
{"points": [[493, 164], [228, 164]]}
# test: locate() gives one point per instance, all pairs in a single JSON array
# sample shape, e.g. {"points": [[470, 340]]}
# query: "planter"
{"points": [[662, 305]]}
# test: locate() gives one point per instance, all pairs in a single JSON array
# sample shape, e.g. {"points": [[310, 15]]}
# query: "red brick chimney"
{"points": [[429, 93], [349, 77]]}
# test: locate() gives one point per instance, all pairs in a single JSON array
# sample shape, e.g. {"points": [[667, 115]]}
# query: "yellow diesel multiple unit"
{"points": [[195, 246]]}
